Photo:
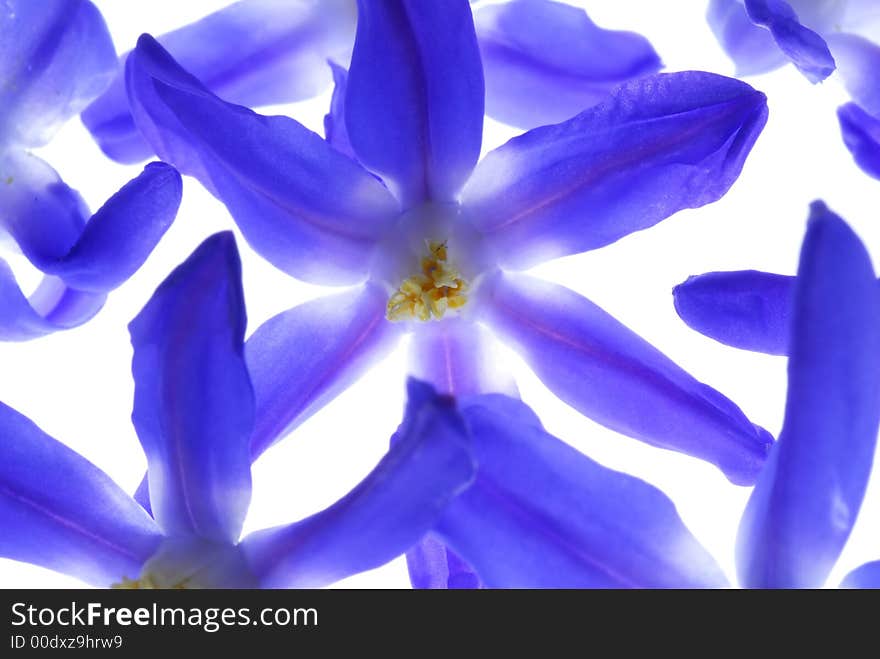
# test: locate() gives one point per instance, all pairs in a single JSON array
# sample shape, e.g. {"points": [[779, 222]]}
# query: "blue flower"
{"points": [[447, 242], [807, 497], [544, 61], [194, 412], [542, 515], [818, 37], [55, 56]]}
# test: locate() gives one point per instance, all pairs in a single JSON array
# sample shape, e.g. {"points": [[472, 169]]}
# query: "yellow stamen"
{"points": [[146, 582], [432, 292]]}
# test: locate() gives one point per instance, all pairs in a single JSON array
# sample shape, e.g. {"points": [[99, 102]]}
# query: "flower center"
{"points": [[439, 287], [191, 563]]}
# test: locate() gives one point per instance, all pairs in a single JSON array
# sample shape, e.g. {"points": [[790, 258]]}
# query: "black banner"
{"points": [[247, 621]]}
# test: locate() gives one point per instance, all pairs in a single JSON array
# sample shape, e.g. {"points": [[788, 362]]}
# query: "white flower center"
{"points": [[430, 264]]}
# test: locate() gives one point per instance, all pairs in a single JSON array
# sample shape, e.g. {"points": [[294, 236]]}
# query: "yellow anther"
{"points": [[437, 249], [456, 301], [146, 582], [430, 293]]}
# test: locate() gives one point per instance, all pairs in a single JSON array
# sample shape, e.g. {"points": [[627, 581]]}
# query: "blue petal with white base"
{"points": [[194, 404]]}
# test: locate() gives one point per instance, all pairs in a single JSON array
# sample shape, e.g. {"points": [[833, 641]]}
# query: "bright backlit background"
{"points": [[77, 385]]}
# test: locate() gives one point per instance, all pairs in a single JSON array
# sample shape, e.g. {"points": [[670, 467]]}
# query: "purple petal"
{"points": [[308, 209], [806, 49], [60, 511], [45, 218], [55, 57], [414, 106], [193, 404], [861, 134], [142, 495], [38, 210], [807, 498], [121, 235], [547, 61], [864, 576], [278, 54], [433, 565], [746, 309], [335, 131], [751, 48], [542, 515], [858, 63], [613, 376], [456, 357], [389, 511], [860, 16], [52, 307], [303, 358], [825, 16], [658, 145]]}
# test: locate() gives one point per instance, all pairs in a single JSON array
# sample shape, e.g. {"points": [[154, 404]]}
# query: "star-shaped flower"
{"points": [[413, 112], [194, 413]]}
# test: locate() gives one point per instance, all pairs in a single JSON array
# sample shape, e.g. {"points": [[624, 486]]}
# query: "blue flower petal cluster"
{"points": [[544, 61], [434, 241], [194, 413], [818, 38], [55, 57], [431, 242]]}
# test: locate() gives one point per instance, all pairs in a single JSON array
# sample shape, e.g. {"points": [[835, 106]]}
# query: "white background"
{"points": [[77, 385]]}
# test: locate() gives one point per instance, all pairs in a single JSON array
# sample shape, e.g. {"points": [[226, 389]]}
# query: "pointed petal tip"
{"points": [[819, 210], [745, 472], [217, 248], [162, 169], [822, 219], [147, 41], [416, 388]]}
